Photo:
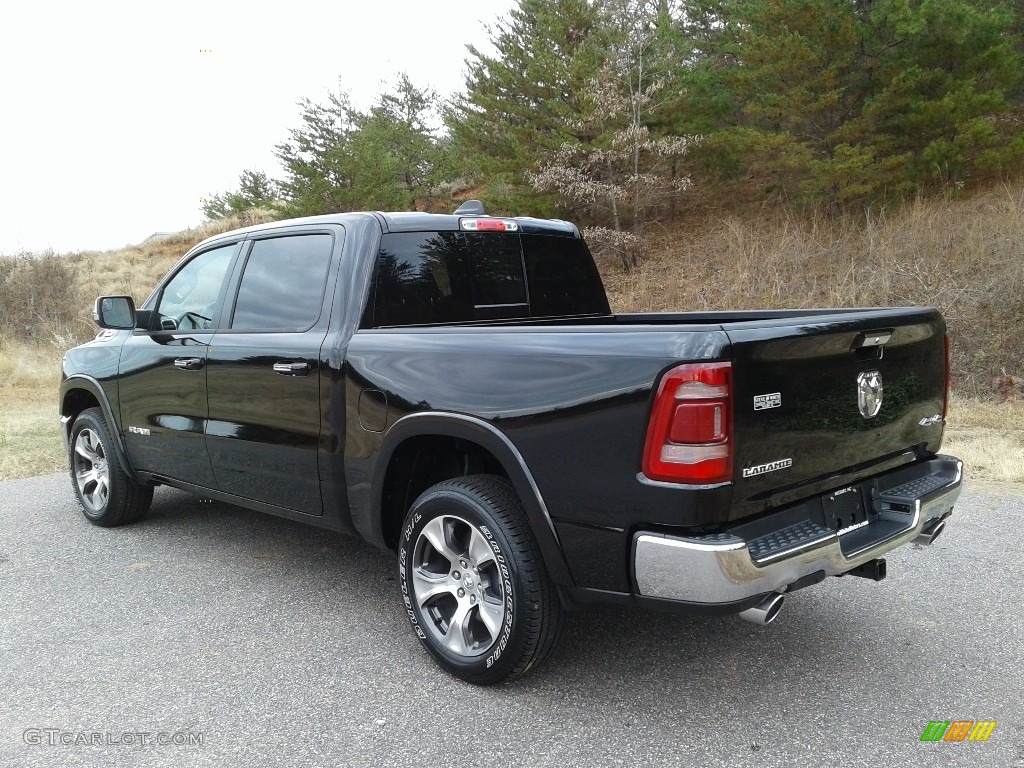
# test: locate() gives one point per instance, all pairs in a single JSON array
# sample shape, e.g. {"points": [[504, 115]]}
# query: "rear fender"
{"points": [[498, 444]]}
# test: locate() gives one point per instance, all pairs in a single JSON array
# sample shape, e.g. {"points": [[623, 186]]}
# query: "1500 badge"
{"points": [[771, 466]]}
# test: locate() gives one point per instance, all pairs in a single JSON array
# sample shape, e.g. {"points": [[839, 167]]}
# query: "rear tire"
{"points": [[107, 493], [473, 581]]}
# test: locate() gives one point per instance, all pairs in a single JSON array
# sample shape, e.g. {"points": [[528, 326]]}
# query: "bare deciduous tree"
{"points": [[618, 170]]}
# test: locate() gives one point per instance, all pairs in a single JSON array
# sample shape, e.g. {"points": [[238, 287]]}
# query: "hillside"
{"points": [[962, 254]]}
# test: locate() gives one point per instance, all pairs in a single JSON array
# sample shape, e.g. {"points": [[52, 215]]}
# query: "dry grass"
{"points": [[30, 442], [28, 369], [30, 434], [989, 437], [964, 256]]}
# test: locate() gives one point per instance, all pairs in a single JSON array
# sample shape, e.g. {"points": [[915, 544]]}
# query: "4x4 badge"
{"points": [[869, 393], [764, 402]]}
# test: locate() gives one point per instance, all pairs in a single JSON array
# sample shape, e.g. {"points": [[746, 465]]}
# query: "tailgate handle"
{"points": [[872, 338], [870, 345]]}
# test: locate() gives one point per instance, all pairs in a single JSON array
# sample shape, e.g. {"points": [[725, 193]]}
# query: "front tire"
{"points": [[473, 581], [107, 493]]}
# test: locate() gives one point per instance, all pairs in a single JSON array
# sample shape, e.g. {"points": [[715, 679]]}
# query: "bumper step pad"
{"points": [[910, 492], [789, 539]]}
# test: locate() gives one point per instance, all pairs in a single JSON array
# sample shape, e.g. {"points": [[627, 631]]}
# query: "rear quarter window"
{"points": [[563, 278]]}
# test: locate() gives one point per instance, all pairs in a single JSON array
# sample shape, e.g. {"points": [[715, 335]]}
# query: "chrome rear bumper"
{"points": [[722, 569]]}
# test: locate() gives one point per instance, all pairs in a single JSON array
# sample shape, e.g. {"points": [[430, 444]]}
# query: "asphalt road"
{"points": [[277, 644]]}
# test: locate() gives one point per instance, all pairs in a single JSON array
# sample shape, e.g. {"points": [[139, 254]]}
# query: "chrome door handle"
{"points": [[291, 369], [189, 363]]}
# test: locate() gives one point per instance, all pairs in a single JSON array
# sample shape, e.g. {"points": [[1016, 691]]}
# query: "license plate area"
{"points": [[844, 510]]}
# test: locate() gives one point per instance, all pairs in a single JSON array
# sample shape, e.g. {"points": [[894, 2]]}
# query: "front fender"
{"points": [[79, 383]]}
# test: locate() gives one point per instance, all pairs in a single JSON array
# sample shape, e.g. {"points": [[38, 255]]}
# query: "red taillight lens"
{"points": [[945, 402], [698, 423], [688, 437], [493, 225]]}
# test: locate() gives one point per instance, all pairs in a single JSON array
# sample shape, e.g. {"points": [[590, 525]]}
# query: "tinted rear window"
{"points": [[451, 277]]}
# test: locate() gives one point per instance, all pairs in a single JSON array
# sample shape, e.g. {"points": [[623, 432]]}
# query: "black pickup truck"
{"points": [[455, 389]]}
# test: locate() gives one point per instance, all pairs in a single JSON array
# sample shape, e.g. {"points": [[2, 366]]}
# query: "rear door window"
{"points": [[283, 283]]}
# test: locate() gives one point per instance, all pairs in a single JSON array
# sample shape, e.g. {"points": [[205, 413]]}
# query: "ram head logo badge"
{"points": [[869, 393]]}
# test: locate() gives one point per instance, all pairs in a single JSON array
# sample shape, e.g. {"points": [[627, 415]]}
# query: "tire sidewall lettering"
{"points": [[406, 596], [506, 584]]}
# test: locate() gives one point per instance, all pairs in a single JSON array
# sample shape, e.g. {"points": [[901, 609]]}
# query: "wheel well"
{"points": [[423, 461], [76, 401]]}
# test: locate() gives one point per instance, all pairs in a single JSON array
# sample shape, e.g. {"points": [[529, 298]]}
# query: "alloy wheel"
{"points": [[457, 585], [92, 474]]}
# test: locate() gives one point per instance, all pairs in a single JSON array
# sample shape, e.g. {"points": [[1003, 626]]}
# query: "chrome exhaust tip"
{"points": [[765, 611], [930, 532]]}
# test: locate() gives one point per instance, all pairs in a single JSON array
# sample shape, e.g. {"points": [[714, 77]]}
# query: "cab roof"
{"points": [[407, 221]]}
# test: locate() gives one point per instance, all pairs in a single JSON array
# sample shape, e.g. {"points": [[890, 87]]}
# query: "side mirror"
{"points": [[116, 312]]}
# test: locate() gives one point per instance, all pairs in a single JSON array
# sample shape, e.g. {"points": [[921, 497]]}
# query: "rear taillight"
{"points": [[945, 401], [689, 436]]}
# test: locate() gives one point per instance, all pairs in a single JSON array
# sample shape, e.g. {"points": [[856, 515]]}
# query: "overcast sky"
{"points": [[117, 118]]}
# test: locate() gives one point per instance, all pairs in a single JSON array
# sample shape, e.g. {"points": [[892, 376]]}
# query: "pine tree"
{"points": [[518, 101], [942, 88], [853, 102], [317, 159], [617, 170], [256, 190], [342, 159], [400, 134]]}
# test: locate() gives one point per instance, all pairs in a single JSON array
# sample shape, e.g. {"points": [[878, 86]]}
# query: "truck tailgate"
{"points": [[823, 400]]}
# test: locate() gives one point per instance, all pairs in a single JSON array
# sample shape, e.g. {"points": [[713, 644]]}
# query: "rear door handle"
{"points": [[189, 363], [291, 369]]}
